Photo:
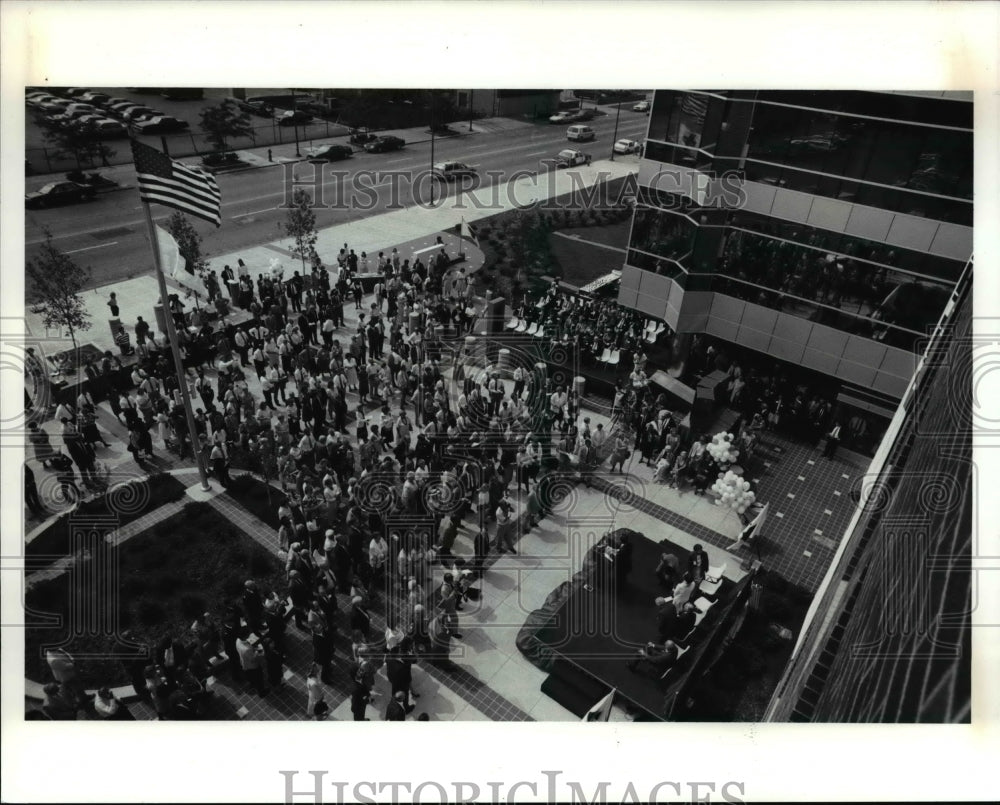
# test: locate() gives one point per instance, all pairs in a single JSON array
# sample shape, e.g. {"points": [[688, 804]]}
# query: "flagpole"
{"points": [[175, 349]]}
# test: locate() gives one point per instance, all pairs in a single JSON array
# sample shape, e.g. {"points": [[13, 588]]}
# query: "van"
{"points": [[580, 133]]}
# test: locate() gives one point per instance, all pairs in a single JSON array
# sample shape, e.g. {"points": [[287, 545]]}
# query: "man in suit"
{"points": [[666, 618], [655, 658], [832, 440], [399, 670], [698, 563]]}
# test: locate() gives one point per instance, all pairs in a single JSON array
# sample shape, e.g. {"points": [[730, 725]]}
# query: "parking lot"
{"points": [[41, 158]]}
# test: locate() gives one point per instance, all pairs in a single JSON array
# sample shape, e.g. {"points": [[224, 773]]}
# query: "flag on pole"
{"points": [[175, 267], [163, 181], [466, 231], [602, 710]]}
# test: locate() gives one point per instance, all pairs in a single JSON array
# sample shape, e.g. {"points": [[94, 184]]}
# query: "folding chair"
{"points": [[703, 605], [680, 653], [605, 356], [615, 356], [713, 579], [540, 332], [512, 324], [533, 328], [522, 325]]}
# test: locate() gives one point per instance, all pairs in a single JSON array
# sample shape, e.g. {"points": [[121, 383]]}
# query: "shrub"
{"points": [[165, 583], [151, 613], [261, 564], [132, 587], [192, 606]]}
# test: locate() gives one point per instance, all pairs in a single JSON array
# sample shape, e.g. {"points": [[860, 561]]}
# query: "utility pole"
{"points": [[614, 139], [432, 147], [295, 122]]}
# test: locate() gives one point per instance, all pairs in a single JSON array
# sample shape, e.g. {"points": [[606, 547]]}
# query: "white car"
{"points": [[627, 147], [642, 106], [565, 116], [447, 171], [568, 158]]}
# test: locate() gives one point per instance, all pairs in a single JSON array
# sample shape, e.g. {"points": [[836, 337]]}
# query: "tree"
{"points": [[78, 139], [188, 244], [224, 122], [301, 226], [55, 282]]}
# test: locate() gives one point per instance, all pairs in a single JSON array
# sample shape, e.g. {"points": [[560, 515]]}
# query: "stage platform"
{"points": [[585, 638]]}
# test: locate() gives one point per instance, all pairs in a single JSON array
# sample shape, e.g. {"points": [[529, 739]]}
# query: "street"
{"points": [[108, 234]]}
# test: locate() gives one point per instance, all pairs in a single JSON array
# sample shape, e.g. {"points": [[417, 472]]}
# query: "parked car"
{"points": [[586, 114], [57, 193], [627, 147], [95, 97], [384, 143], [568, 158], [164, 124], [54, 106], [330, 153], [447, 171], [103, 127], [361, 138], [72, 114], [38, 98], [183, 93], [110, 102], [565, 116], [136, 113], [76, 92], [642, 106], [294, 117]]}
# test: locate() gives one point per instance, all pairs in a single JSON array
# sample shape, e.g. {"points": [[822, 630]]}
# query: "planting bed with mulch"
{"points": [[193, 562], [127, 502]]}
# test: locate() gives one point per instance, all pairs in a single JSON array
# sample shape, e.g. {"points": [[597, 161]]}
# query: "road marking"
{"points": [[255, 212], [536, 153], [88, 248]]}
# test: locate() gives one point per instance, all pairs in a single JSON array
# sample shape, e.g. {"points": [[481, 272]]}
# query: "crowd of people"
{"points": [[591, 324], [360, 427]]}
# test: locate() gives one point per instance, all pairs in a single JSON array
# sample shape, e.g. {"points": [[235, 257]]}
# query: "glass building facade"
{"points": [[825, 228]]}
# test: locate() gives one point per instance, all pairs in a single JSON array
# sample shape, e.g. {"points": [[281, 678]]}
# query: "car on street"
{"points": [[386, 142], [568, 158], [627, 147], [56, 193], [580, 133], [330, 153], [164, 124], [565, 116], [642, 106], [294, 117], [585, 114], [449, 171]]}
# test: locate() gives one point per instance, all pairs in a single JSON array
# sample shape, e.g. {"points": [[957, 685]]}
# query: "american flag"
{"points": [[163, 181]]}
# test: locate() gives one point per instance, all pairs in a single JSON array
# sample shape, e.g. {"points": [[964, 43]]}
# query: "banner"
{"points": [[175, 268], [602, 710]]}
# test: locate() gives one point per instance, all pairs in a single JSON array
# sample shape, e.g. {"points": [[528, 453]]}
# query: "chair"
{"points": [[533, 329], [512, 324], [651, 337], [540, 333], [703, 605], [522, 325], [713, 579], [615, 356], [606, 355]]}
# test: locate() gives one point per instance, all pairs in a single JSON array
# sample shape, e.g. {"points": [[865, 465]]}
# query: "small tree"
{"points": [[224, 122], [55, 282], [301, 226], [188, 244], [78, 139]]}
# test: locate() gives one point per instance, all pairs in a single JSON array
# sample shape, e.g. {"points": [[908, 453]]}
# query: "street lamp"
{"points": [[614, 139], [295, 123]]}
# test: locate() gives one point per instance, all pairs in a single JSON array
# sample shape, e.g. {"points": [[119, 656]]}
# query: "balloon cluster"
{"points": [[721, 448], [733, 492], [276, 269]]}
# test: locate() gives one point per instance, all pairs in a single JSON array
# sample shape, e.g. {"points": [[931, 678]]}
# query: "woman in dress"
{"points": [[351, 370]]}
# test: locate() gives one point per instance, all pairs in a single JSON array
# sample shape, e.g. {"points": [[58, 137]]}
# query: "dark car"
{"points": [[294, 118], [58, 193], [384, 143], [331, 153], [160, 125]]}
